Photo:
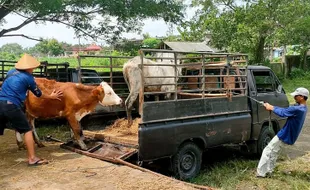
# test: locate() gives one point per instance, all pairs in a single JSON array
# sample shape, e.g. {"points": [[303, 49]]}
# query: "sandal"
{"points": [[38, 162]]}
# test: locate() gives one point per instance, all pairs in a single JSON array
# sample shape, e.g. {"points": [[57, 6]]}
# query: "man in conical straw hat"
{"points": [[12, 96]]}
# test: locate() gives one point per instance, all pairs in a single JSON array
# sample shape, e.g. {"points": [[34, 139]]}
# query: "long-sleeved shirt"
{"points": [[295, 119], [15, 87]]}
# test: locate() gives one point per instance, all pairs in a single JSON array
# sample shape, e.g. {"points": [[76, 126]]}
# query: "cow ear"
{"points": [[96, 92], [100, 89]]}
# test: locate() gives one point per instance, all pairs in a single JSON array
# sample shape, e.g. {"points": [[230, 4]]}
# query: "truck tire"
{"points": [[265, 137], [186, 163]]}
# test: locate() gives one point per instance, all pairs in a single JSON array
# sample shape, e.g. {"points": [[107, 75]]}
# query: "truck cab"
{"points": [[263, 85]]}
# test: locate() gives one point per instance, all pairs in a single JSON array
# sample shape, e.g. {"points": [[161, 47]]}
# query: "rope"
{"points": [[270, 124]]}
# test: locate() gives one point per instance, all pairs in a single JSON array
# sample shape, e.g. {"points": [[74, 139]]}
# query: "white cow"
{"points": [[133, 76]]}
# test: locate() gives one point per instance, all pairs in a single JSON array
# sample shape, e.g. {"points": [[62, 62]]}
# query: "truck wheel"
{"points": [[186, 163], [265, 137]]}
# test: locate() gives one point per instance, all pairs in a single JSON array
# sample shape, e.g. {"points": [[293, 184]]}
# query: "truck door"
{"points": [[267, 88]]}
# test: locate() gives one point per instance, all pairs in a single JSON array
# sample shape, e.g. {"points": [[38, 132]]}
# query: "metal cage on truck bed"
{"points": [[214, 80]]}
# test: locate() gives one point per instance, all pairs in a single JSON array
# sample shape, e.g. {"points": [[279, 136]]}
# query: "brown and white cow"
{"points": [[78, 100], [133, 76]]}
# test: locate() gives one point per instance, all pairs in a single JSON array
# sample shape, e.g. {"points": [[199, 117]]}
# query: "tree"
{"points": [[55, 48], [249, 25], [150, 43], [129, 47], [91, 18], [12, 48], [50, 47], [42, 47]]}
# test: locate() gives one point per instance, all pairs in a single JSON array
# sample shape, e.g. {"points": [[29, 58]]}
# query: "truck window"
{"points": [[93, 78], [264, 81]]}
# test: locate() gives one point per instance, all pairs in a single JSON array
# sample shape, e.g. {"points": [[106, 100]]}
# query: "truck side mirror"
{"points": [[279, 89]]}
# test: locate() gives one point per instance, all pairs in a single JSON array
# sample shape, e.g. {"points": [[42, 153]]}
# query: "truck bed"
{"points": [[117, 133]]}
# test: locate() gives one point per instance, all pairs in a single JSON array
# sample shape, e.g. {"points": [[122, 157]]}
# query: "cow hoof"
{"points": [[41, 145], [83, 147], [129, 124]]}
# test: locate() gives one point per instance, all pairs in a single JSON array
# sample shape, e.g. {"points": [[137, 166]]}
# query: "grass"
{"points": [[240, 173], [59, 131], [88, 62], [290, 86]]}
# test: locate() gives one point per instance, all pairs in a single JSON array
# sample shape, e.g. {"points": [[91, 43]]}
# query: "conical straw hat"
{"points": [[27, 62]]}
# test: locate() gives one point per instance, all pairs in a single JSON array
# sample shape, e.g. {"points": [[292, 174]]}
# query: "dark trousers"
{"points": [[13, 114]]}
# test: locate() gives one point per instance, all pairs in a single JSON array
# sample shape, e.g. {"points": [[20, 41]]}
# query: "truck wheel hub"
{"points": [[187, 161]]}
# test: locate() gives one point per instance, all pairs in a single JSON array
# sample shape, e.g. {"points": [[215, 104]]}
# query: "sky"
{"points": [[62, 33]]}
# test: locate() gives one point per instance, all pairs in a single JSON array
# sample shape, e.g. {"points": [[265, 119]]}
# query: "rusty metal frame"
{"points": [[122, 161], [91, 152]]}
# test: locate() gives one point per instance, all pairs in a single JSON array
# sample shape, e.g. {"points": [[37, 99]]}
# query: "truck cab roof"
{"points": [[258, 67]]}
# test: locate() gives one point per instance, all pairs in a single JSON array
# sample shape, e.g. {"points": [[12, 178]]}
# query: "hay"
{"points": [[120, 126]]}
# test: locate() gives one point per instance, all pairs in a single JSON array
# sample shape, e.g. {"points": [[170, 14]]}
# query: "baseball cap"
{"points": [[300, 91]]}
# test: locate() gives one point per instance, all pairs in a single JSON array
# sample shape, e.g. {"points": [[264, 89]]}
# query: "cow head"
{"points": [[106, 95]]}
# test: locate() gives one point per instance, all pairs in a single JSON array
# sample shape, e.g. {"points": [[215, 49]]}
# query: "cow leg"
{"points": [[35, 135], [129, 104], [19, 141], [133, 79], [75, 126]]}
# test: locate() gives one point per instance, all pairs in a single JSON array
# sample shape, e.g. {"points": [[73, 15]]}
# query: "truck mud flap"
{"points": [[102, 150]]}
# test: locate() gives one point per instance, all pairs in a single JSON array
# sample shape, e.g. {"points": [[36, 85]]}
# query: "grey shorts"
{"points": [[13, 114]]}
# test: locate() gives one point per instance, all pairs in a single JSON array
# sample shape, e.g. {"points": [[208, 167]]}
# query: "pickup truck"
{"points": [[213, 108], [183, 129]]}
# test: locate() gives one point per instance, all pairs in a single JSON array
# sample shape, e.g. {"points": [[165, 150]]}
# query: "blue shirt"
{"points": [[15, 87], [295, 119]]}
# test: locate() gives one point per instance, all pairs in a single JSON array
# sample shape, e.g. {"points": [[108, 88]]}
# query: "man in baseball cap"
{"points": [[12, 96], [288, 134]]}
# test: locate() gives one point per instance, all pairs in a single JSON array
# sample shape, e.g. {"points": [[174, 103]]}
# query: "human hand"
{"points": [[56, 95], [268, 107]]}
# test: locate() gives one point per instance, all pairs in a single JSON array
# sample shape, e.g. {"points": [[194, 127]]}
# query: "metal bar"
{"points": [[8, 61], [185, 83], [141, 92], [67, 72], [207, 90], [160, 64], [111, 73], [79, 70], [195, 76], [207, 53], [176, 75], [203, 77]]}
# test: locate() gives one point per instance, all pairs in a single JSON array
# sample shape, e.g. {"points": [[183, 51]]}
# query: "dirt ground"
{"points": [[68, 170]]}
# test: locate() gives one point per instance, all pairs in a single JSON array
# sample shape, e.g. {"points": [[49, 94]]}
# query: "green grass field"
{"points": [[88, 62]]}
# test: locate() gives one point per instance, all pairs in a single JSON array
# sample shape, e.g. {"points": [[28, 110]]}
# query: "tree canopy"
{"points": [[92, 18], [249, 25]]}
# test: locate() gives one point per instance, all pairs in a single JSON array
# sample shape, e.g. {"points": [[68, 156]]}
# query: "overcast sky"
{"points": [[62, 33]]}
